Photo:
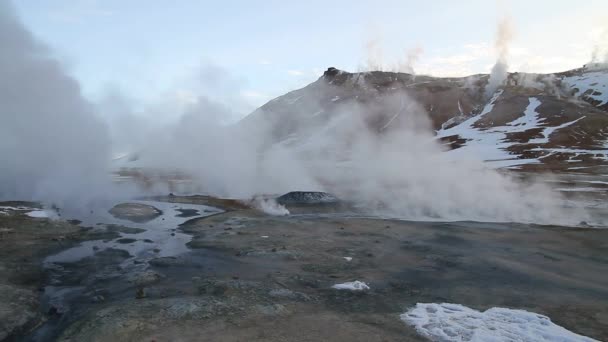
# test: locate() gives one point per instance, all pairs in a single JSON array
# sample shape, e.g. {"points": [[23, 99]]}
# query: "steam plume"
{"points": [[499, 73], [52, 146]]}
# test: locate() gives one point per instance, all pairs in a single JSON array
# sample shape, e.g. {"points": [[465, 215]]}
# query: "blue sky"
{"points": [[154, 49]]}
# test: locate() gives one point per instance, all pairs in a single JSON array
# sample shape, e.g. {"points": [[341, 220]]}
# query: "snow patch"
{"points": [[15, 208], [37, 214], [31, 212], [582, 189], [352, 286], [490, 144], [455, 322], [41, 214], [592, 85]]}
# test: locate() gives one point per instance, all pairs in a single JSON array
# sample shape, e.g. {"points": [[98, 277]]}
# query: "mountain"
{"points": [[534, 122]]}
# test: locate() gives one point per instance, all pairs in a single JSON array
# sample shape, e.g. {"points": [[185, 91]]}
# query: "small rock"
{"points": [[54, 311], [135, 212], [140, 293]]}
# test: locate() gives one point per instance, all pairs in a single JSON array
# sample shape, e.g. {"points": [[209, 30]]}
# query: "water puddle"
{"points": [[97, 271], [156, 238]]}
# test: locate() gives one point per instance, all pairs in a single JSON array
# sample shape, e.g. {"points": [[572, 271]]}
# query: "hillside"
{"points": [[556, 122]]}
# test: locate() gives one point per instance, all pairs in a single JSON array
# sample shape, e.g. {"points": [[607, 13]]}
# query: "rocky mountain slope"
{"points": [[556, 122]]}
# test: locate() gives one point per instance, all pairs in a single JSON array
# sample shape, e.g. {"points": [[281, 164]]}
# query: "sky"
{"points": [[152, 50]]}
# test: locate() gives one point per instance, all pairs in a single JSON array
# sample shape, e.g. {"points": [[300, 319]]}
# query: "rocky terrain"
{"points": [[315, 275], [26, 237]]}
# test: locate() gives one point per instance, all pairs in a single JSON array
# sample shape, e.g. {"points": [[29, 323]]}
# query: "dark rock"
{"points": [[135, 212], [122, 229], [307, 197], [330, 73], [140, 293]]}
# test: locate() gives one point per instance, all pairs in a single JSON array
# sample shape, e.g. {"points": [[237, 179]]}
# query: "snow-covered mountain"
{"points": [[555, 122]]}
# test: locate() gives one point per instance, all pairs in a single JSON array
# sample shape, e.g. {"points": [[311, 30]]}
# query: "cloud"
{"points": [[77, 12], [295, 72]]}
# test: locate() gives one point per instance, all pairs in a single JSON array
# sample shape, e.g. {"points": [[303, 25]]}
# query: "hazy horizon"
{"points": [[151, 53]]}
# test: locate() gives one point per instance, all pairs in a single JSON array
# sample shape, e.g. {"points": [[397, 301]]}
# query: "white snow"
{"points": [[596, 154], [547, 131], [352, 286], [489, 144], [530, 118], [583, 189], [336, 98], [455, 322], [15, 208], [348, 258], [597, 182], [32, 212], [595, 81], [40, 214]]}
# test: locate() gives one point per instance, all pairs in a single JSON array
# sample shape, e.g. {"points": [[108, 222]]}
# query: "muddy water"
{"points": [[95, 271]]}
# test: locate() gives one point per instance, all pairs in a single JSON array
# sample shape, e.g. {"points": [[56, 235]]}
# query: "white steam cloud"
{"points": [[404, 172], [599, 53], [375, 58], [499, 72], [52, 146]]}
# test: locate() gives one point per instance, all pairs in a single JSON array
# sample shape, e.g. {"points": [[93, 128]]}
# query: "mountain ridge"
{"points": [[570, 108]]}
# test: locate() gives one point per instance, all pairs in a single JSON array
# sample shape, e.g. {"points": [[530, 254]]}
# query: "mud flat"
{"points": [[24, 241], [247, 276]]}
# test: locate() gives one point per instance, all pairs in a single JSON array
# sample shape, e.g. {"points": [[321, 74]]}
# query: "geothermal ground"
{"points": [[180, 268]]}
